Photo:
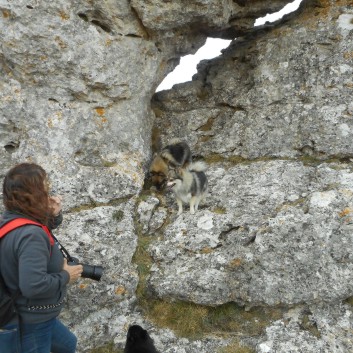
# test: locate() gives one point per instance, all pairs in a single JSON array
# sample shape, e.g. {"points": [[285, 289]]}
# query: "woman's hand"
{"points": [[74, 271], [55, 204]]}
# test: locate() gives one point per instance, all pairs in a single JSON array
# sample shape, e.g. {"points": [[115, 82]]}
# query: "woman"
{"points": [[32, 266]]}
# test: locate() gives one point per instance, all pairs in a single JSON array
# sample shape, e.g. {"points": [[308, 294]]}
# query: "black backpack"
{"points": [[7, 304], [7, 301]]}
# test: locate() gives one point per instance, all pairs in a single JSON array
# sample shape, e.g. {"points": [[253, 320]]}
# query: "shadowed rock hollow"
{"points": [[273, 118]]}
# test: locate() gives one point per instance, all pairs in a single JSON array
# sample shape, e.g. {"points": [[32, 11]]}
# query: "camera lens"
{"points": [[92, 272]]}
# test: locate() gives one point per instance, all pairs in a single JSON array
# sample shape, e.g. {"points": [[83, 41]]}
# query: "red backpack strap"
{"points": [[20, 222]]}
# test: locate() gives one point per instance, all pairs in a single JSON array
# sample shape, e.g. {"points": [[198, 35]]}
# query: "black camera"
{"points": [[89, 271]]}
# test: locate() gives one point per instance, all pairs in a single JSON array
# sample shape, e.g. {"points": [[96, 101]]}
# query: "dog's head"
{"points": [[159, 171], [175, 178], [136, 334], [138, 340]]}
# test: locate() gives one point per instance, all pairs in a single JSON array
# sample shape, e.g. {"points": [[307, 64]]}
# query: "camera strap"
{"points": [[65, 253]]}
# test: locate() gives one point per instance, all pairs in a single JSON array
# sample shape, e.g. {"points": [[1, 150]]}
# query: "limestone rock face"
{"points": [[276, 243], [273, 118]]}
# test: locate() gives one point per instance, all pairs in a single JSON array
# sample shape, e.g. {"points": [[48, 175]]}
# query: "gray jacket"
{"points": [[30, 264]]}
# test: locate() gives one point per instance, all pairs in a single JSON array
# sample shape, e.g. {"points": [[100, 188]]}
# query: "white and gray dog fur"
{"points": [[189, 185]]}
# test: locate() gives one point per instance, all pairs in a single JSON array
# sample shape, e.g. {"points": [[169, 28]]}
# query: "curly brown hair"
{"points": [[25, 190]]}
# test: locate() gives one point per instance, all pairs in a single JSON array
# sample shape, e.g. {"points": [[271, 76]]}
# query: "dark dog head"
{"points": [[136, 334], [139, 341]]}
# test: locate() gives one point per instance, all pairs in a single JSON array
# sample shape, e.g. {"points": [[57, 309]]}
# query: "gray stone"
{"points": [[272, 116]]}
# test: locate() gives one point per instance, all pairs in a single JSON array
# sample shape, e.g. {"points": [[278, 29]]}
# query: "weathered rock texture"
{"points": [[273, 117]]}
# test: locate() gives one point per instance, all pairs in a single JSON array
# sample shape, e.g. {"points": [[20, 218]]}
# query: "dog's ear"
{"points": [[153, 159], [144, 334], [172, 174], [179, 171]]}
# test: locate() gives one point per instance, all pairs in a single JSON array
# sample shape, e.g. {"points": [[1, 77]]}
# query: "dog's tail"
{"points": [[199, 166]]}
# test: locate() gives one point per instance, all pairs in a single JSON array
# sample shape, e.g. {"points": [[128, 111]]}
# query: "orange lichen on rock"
{"points": [[100, 111]]}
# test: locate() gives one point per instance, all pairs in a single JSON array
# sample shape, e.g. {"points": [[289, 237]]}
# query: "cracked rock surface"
{"points": [[273, 119]]}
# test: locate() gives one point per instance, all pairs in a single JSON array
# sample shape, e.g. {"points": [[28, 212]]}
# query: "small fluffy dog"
{"points": [[176, 154], [189, 186], [139, 341]]}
